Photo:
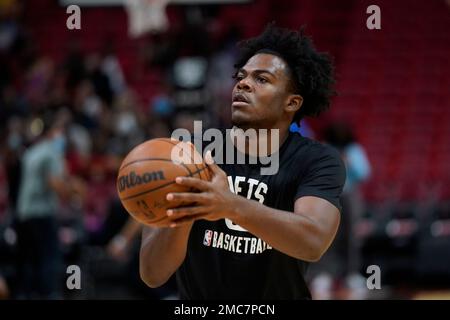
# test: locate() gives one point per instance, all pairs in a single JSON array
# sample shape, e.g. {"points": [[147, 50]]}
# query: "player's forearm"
{"points": [[293, 234], [162, 251]]}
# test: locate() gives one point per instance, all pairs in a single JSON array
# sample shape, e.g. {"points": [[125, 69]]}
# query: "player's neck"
{"points": [[258, 142]]}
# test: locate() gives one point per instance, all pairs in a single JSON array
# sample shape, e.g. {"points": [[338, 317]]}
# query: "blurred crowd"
{"points": [[71, 122]]}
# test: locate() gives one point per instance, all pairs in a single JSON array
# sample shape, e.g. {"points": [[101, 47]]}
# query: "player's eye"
{"points": [[238, 77], [261, 80]]}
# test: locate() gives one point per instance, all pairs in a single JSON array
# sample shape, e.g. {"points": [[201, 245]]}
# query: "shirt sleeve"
{"points": [[324, 177]]}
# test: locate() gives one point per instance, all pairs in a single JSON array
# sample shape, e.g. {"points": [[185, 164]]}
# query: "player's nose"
{"points": [[243, 85]]}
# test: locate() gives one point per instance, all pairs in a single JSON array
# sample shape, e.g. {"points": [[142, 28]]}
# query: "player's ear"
{"points": [[294, 103]]}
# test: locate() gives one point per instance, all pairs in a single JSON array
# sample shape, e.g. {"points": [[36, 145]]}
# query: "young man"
{"points": [[226, 245], [43, 182]]}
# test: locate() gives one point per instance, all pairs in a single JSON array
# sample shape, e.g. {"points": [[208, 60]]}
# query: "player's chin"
{"points": [[240, 118]]}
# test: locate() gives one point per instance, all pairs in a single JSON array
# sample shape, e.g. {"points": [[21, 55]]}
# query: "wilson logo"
{"points": [[132, 179]]}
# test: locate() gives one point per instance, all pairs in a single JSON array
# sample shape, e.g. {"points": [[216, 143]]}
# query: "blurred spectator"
{"points": [[37, 84], [344, 254], [220, 82], [88, 105], [124, 247], [161, 106], [158, 128], [120, 245], [110, 66], [43, 181], [127, 123], [98, 78], [4, 290], [74, 64], [12, 159], [353, 154], [10, 30]]}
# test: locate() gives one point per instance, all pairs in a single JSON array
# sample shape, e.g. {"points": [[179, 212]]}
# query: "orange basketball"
{"points": [[147, 175]]}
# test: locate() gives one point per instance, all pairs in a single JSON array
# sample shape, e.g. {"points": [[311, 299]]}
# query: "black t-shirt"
{"points": [[224, 261]]}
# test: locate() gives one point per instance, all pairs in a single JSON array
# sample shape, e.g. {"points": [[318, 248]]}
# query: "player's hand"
{"points": [[214, 201]]}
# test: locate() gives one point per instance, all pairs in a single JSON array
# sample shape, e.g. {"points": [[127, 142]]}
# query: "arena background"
{"points": [[117, 85]]}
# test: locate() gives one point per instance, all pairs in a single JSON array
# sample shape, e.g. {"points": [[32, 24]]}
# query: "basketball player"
{"points": [[247, 235]]}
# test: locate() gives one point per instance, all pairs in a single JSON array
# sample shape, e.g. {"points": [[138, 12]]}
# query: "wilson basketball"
{"points": [[147, 175]]}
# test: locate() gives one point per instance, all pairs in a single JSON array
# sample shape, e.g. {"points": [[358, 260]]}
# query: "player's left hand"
{"points": [[214, 200]]}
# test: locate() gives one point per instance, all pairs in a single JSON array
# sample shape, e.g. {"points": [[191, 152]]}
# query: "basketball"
{"points": [[147, 175]]}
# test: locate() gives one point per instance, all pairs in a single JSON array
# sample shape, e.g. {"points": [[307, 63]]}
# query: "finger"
{"points": [[196, 183], [212, 165], [180, 203], [187, 197], [186, 220], [165, 223], [177, 213], [191, 144]]}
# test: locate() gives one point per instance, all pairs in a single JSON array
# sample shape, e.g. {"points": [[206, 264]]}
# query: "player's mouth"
{"points": [[240, 100]]}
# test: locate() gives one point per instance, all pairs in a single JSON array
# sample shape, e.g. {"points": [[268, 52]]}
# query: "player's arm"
{"points": [[304, 234], [162, 252]]}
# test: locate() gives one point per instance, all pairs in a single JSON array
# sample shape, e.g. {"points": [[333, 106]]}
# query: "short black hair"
{"points": [[312, 72]]}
